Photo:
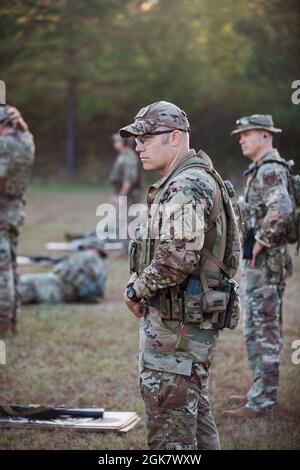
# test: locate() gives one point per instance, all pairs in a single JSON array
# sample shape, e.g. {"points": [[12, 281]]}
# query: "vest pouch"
{"points": [[132, 252], [233, 307], [176, 303], [193, 311], [193, 300], [143, 254], [214, 301], [230, 189], [169, 304], [162, 302], [229, 318], [292, 228]]}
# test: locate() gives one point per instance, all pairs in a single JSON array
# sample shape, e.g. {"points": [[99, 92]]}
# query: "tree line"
{"points": [[79, 70]]}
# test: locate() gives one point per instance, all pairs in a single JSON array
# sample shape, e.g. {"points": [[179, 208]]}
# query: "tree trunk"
{"points": [[71, 126]]}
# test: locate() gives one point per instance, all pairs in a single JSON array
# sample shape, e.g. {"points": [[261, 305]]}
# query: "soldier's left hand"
{"points": [[257, 249]]}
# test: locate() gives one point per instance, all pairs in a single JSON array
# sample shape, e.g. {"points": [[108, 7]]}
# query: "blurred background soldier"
{"points": [[126, 174], [80, 277], [267, 207], [180, 281], [126, 179], [16, 160]]}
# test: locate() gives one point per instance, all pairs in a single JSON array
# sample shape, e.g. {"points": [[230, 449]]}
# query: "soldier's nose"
{"points": [[139, 147]]}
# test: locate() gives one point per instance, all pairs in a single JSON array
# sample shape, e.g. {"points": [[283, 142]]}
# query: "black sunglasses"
{"points": [[142, 141]]}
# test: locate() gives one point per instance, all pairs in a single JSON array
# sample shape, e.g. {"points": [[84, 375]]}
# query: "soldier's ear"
{"points": [[175, 137]]}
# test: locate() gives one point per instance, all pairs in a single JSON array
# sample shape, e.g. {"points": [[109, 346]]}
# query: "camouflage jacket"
{"points": [[173, 261], [16, 160], [267, 201], [126, 169], [160, 345], [83, 275]]}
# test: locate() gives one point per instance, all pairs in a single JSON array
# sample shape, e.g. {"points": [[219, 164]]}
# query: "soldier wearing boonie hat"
{"points": [[256, 121], [266, 263]]}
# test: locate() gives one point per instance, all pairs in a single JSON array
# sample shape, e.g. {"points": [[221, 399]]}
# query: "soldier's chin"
{"points": [[245, 152], [147, 164]]}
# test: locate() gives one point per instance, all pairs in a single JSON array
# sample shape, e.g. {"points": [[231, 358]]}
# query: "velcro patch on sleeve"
{"points": [[271, 179]]}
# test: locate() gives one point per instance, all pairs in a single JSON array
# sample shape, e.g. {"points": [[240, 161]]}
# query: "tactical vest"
{"points": [[16, 160], [209, 293]]}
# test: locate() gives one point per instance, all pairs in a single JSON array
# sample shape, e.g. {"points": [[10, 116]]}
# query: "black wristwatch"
{"points": [[131, 294]]}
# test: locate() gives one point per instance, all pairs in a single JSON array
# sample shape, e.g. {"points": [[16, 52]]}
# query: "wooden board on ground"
{"points": [[69, 246], [119, 421]]}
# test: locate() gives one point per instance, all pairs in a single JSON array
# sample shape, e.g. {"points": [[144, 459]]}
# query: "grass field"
{"points": [[86, 355]]}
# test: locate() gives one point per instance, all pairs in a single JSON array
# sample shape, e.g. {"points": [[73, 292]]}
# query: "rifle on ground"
{"points": [[49, 412], [39, 260]]}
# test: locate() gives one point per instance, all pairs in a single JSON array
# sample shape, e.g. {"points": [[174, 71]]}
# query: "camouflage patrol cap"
{"points": [[256, 121], [155, 115]]}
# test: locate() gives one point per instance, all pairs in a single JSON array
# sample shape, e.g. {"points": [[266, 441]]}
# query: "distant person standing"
{"points": [[16, 160], [126, 175], [126, 179], [266, 208]]}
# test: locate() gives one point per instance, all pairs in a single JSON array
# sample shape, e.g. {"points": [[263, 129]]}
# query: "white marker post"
{"points": [[2, 92]]}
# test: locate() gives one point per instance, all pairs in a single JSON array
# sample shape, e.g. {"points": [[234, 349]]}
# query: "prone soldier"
{"points": [[80, 277]]}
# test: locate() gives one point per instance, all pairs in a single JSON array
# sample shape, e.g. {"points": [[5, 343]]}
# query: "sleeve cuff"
{"points": [[262, 242], [141, 286]]}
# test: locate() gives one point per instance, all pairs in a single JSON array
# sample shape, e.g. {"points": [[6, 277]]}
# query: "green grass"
{"points": [[86, 355], [68, 187]]}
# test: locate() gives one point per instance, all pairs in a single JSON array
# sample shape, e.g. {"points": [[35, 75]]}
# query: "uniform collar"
{"points": [[154, 188], [159, 183], [271, 155]]}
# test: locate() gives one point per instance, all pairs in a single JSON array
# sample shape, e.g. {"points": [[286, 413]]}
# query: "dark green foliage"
{"points": [[217, 60]]}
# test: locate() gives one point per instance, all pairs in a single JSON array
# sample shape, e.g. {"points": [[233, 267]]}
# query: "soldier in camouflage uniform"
{"points": [[79, 278], [16, 160], [125, 178], [177, 342], [266, 208]]}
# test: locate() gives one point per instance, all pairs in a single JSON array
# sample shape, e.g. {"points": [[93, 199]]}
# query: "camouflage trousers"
{"points": [[41, 287], [262, 306], [9, 298], [174, 388]]}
